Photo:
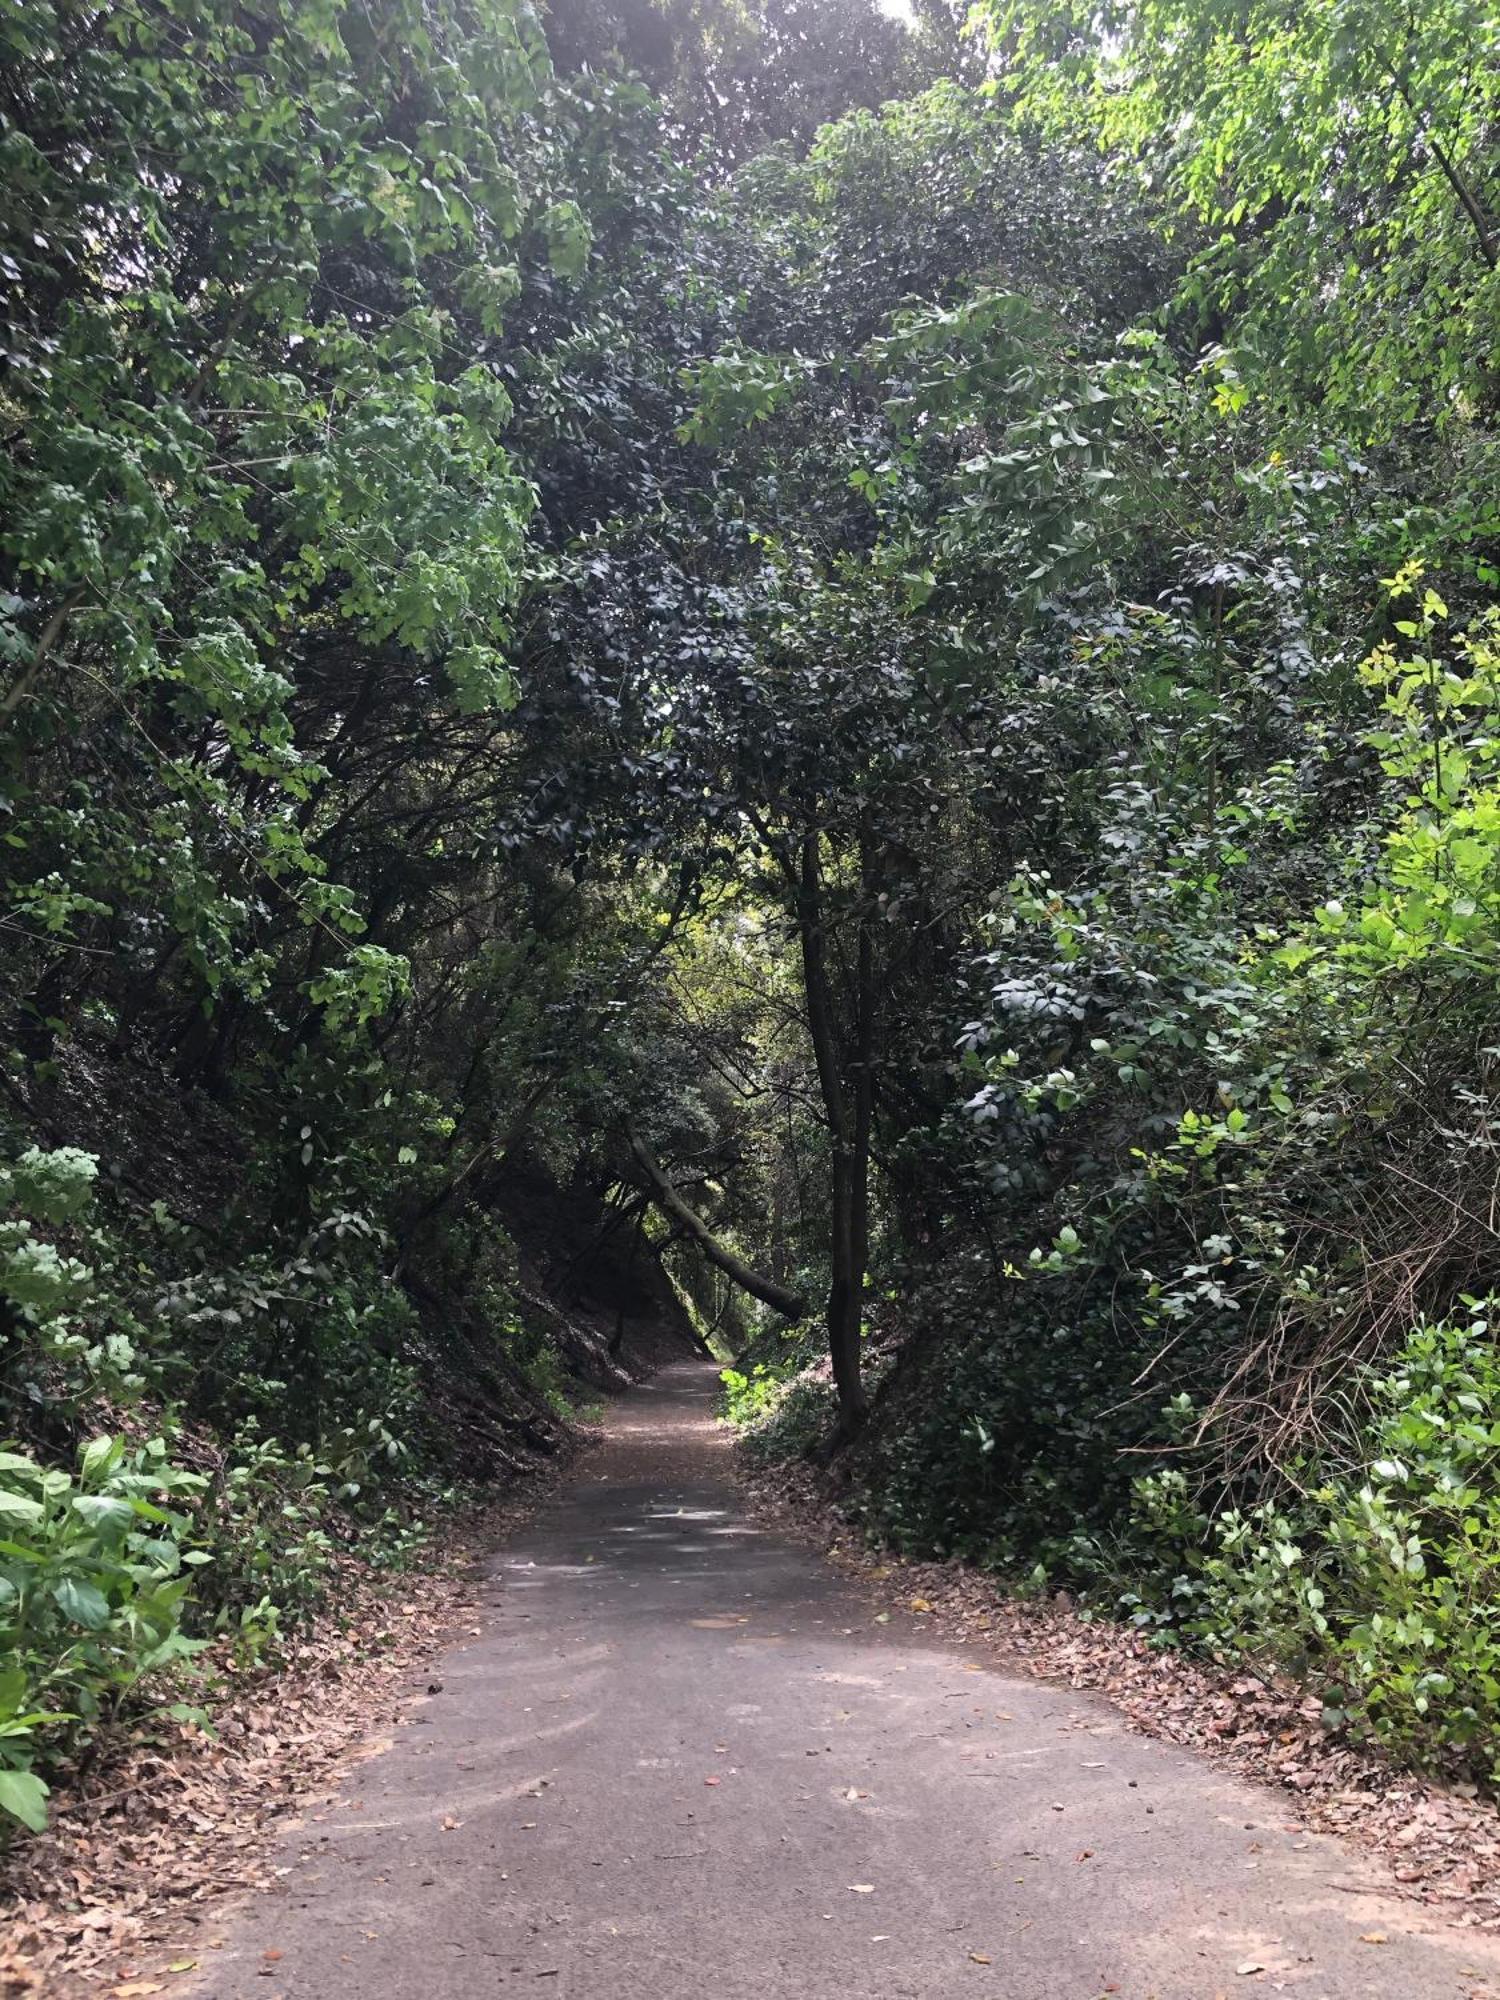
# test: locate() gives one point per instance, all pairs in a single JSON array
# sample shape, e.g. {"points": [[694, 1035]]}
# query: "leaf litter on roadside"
{"points": [[162, 1826]]}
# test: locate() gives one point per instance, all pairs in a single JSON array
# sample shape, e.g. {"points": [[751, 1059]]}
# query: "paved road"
{"points": [[682, 1761]]}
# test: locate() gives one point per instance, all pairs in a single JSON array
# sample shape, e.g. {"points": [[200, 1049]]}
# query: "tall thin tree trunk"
{"points": [[849, 1131]]}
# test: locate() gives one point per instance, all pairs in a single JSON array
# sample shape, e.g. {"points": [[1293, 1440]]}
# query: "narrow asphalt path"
{"points": [[681, 1760]]}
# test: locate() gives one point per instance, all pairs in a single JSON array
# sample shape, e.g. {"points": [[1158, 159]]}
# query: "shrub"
{"points": [[93, 1577], [1381, 1579], [783, 1411]]}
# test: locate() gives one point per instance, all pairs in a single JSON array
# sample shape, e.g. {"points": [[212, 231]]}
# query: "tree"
{"points": [[734, 79], [1337, 160]]}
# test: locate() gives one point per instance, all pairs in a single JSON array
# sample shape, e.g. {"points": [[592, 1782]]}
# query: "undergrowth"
{"points": [[1373, 1575], [126, 1554]]}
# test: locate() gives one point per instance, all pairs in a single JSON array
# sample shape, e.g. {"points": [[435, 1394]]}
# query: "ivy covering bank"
{"points": [[678, 671]]}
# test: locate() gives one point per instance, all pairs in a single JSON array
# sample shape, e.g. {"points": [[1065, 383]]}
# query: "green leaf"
{"points": [[83, 1602], [24, 1797], [100, 1455], [103, 1510], [18, 1510]]}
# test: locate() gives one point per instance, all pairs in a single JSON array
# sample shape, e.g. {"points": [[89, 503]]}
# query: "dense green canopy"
{"points": [[880, 638]]}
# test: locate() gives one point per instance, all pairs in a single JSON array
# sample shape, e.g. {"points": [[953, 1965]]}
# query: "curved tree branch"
{"points": [[788, 1303]]}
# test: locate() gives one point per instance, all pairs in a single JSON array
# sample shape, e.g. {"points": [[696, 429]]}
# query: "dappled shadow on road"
{"points": [[682, 1756]]}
